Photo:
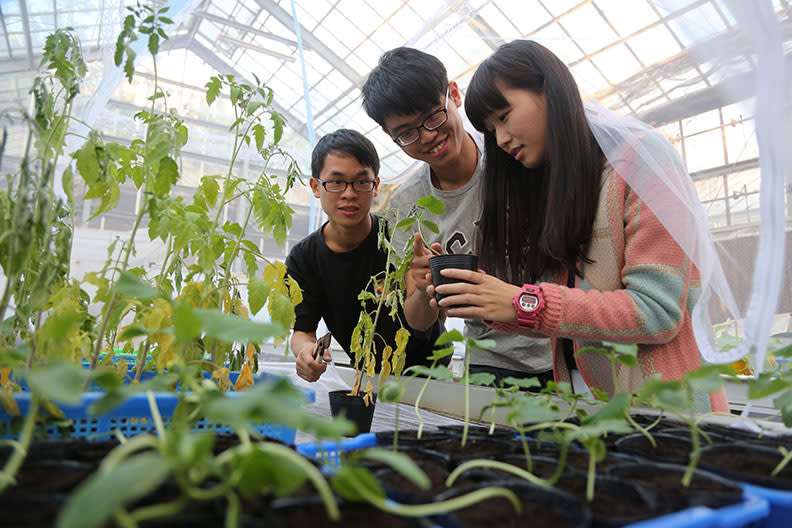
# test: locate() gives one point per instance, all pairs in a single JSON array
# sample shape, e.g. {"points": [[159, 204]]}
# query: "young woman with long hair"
{"points": [[577, 243]]}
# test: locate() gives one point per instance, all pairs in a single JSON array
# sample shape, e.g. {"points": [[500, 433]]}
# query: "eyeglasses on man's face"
{"points": [[339, 186], [433, 121]]}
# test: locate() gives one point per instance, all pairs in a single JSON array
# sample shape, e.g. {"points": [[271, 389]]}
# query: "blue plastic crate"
{"points": [[780, 502], [329, 451], [133, 417], [752, 512]]}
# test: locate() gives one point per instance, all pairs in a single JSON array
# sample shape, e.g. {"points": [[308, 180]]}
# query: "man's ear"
{"points": [[314, 186], [454, 93], [376, 185]]}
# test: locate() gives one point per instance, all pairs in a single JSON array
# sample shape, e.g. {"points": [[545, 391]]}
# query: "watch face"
{"points": [[529, 302]]}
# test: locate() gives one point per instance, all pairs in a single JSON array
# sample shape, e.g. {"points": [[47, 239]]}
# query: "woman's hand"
{"points": [[488, 297]]}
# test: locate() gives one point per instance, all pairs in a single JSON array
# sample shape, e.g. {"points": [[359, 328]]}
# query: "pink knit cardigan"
{"points": [[639, 287]]}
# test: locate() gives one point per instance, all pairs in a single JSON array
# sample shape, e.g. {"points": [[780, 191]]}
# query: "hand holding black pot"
{"points": [[473, 294]]}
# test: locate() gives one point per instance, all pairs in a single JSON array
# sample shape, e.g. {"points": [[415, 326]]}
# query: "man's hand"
{"points": [[309, 368], [419, 265]]}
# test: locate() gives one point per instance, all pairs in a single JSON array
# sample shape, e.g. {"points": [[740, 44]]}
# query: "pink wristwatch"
{"points": [[528, 303]]}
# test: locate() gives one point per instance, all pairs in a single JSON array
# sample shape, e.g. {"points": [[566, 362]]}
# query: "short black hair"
{"points": [[346, 141], [404, 82]]}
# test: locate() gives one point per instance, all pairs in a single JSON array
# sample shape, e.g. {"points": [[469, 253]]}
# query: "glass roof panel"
{"points": [[591, 31], [654, 45], [627, 17]]}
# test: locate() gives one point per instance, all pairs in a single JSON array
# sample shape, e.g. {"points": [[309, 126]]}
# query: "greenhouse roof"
{"points": [[636, 57]]}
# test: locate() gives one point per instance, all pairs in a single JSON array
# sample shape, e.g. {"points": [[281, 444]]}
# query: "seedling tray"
{"points": [[755, 509]]}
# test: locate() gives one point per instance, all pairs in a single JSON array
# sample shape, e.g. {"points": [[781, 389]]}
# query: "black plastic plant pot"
{"points": [[353, 408], [541, 506], [441, 262], [747, 463], [705, 488]]}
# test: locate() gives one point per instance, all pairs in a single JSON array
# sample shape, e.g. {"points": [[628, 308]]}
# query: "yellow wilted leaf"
{"points": [[220, 376], [295, 292], [245, 379], [238, 307], [53, 410], [9, 402], [5, 372]]}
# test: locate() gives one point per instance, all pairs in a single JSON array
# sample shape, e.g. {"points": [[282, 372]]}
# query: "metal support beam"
{"points": [[26, 25], [242, 27], [256, 48], [311, 42], [5, 33], [730, 91]]}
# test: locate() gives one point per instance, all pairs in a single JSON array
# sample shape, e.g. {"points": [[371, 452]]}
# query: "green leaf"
{"points": [[431, 226], [261, 472], [213, 89], [525, 383], [765, 386], [615, 409], [258, 293], [405, 223], [132, 286], [153, 43], [230, 328], [480, 344], [481, 378], [260, 133], [450, 336], [440, 353], [440, 372], [399, 461], [186, 325], [133, 478], [278, 123], [59, 381], [344, 478], [432, 204], [281, 310], [167, 175]]}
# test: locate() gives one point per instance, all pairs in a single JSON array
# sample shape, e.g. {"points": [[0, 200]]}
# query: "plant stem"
{"points": [[8, 476], [165, 509], [642, 430], [591, 477], [433, 508], [467, 397], [418, 402], [232, 512], [494, 464]]}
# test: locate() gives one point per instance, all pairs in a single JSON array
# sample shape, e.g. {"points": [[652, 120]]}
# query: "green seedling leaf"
{"points": [[132, 286], [481, 378], [451, 336], [231, 328], [343, 482], [785, 352], [133, 478], [281, 310], [262, 472], [765, 386], [708, 378], [405, 223], [615, 409], [440, 353], [431, 226], [432, 204], [59, 381], [186, 324], [480, 344], [258, 293], [524, 383], [440, 372], [398, 461], [213, 89]]}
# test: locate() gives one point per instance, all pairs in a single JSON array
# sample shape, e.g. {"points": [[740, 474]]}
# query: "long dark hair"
{"points": [[550, 209]]}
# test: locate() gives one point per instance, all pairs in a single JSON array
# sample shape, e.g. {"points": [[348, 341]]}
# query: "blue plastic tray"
{"points": [[753, 511], [133, 417], [780, 502]]}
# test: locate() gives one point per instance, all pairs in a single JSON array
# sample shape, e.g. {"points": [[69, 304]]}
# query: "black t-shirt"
{"points": [[331, 283]]}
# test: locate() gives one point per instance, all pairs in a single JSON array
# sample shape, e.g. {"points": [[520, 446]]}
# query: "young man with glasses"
{"points": [[334, 263], [409, 96]]}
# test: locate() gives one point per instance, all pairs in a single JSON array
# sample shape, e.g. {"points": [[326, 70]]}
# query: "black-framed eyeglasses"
{"points": [[433, 121], [339, 186]]}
